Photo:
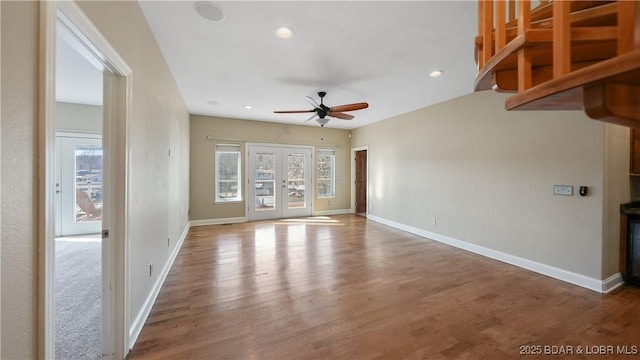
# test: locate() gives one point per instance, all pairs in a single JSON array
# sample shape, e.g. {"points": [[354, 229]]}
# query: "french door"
{"points": [[280, 182]]}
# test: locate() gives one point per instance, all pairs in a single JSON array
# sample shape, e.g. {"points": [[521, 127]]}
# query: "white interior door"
{"points": [[279, 178], [80, 187]]}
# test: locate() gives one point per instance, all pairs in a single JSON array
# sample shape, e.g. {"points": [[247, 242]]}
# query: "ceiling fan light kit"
{"points": [[322, 121], [322, 111]]}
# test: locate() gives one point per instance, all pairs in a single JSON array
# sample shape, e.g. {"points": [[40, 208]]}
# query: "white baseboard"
{"points": [[141, 317], [332, 212], [602, 286], [218, 221], [612, 282]]}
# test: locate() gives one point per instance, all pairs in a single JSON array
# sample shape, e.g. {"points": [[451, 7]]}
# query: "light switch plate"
{"points": [[566, 190]]}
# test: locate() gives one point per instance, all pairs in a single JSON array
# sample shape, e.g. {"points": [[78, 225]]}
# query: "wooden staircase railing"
{"points": [[562, 55]]}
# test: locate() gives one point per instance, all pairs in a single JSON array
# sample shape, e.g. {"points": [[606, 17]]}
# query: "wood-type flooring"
{"points": [[344, 287]]}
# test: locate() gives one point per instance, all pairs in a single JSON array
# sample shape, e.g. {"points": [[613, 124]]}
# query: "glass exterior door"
{"points": [[297, 169], [79, 189], [278, 179]]}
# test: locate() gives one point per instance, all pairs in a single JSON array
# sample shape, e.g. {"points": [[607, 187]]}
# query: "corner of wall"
{"points": [[616, 191]]}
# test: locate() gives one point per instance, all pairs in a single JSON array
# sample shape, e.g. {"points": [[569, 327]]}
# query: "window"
{"points": [[228, 174], [326, 173]]}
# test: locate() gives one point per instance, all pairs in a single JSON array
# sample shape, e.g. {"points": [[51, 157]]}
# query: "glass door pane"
{"points": [[88, 183], [296, 181], [265, 181], [80, 189]]}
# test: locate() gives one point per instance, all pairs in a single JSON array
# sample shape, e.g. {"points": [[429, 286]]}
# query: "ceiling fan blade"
{"points": [[349, 107], [312, 102], [340, 115], [293, 111], [312, 117]]}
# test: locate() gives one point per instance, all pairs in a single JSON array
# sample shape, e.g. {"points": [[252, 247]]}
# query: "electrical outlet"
{"points": [[433, 221], [328, 202], [150, 269]]}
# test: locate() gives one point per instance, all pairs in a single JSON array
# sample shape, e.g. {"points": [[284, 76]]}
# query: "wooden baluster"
{"points": [[628, 26], [481, 33], [487, 29], [524, 56], [501, 26], [561, 38], [512, 10]]}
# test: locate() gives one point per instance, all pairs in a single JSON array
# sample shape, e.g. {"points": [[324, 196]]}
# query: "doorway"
{"points": [[359, 174], [361, 182], [79, 270], [280, 182], [65, 27]]}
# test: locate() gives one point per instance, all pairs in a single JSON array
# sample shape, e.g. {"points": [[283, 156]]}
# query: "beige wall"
{"points": [[486, 176], [78, 117], [160, 123], [19, 179], [159, 183], [224, 130]]}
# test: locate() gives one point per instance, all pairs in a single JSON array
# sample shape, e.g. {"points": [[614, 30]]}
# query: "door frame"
{"points": [[247, 193], [117, 97], [353, 178]]}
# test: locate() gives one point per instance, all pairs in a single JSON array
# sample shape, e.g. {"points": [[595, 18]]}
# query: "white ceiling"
{"points": [[380, 52], [77, 80]]}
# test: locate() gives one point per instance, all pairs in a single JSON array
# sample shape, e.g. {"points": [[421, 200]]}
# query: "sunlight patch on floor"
{"points": [[319, 220], [81, 238]]}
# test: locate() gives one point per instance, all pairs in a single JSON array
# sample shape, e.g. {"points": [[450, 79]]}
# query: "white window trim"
{"points": [[333, 174], [239, 197]]}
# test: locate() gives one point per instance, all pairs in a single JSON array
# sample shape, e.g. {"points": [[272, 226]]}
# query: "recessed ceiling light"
{"points": [[284, 32], [208, 10], [248, 107], [436, 73]]}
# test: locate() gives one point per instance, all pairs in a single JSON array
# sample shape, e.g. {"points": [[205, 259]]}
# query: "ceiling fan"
{"points": [[321, 111]]}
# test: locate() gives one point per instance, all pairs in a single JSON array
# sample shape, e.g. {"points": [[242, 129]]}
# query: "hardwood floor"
{"points": [[343, 287]]}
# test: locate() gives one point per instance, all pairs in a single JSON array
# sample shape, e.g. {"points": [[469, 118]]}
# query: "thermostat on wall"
{"points": [[566, 190]]}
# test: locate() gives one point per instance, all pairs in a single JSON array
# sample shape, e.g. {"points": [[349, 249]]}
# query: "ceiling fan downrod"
{"points": [[322, 111], [321, 94]]}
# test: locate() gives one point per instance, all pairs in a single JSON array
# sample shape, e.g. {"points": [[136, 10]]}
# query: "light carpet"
{"points": [[78, 297]]}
